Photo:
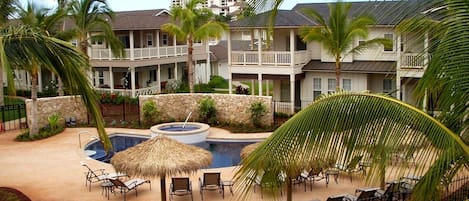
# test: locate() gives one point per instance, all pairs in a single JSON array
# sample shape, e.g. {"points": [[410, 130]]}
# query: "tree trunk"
{"points": [[2, 97], [189, 63], [33, 130], [289, 189], [60, 87], [337, 73], [163, 188]]}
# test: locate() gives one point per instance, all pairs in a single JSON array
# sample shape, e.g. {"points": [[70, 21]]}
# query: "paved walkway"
{"points": [[50, 170]]}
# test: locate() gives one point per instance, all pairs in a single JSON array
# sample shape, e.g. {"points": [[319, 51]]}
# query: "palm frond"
{"points": [[341, 126]]}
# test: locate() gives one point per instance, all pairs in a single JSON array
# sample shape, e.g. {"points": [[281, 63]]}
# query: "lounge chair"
{"points": [[211, 181], [313, 175], [129, 185], [352, 167], [70, 121], [98, 175], [391, 193], [368, 194], [180, 187]]}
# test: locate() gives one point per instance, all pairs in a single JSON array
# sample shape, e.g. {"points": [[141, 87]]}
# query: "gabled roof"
{"points": [[380, 67], [284, 18], [140, 19], [384, 12]]}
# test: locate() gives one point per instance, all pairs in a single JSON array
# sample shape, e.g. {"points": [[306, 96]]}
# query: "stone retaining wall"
{"points": [[65, 106], [230, 108]]}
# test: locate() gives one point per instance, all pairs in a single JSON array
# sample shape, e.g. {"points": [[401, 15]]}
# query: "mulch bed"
{"points": [[11, 194]]}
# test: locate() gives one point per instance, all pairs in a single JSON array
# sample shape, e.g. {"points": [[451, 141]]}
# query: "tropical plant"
{"points": [[190, 24], [7, 8], [257, 110], [24, 47], [207, 111], [343, 125], [151, 114], [91, 18], [53, 120], [337, 35]]}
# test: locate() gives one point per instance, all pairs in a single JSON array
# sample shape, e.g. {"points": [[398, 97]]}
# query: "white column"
{"points": [[267, 88], [207, 66], [403, 91], [158, 43], [259, 47], [131, 38], [253, 89], [292, 48], [110, 53], [292, 93], [425, 48], [259, 79], [424, 102], [174, 44], [111, 79], [39, 80], [132, 80], [229, 48], [230, 83], [158, 75], [176, 70], [398, 68]]}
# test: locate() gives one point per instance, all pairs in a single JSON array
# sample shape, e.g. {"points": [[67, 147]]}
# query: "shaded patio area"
{"points": [[50, 170]]}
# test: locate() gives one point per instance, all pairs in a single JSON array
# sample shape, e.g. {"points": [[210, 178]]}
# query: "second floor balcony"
{"points": [[140, 53], [270, 58], [413, 60]]}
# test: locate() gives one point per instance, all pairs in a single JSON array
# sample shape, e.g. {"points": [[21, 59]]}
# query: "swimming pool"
{"points": [[224, 154]]}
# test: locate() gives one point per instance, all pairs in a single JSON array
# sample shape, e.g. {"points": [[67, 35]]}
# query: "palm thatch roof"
{"points": [[248, 149], [161, 156]]}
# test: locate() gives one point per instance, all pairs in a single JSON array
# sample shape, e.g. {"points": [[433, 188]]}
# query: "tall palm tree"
{"points": [[7, 8], [92, 18], [42, 21], [25, 47], [193, 24], [338, 33]]}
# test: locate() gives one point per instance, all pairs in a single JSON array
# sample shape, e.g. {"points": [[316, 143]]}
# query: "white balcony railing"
{"points": [[276, 58], [141, 53], [412, 60]]}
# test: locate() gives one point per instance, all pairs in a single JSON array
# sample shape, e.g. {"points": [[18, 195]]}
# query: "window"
{"points": [[149, 39], [330, 85], [390, 37], [361, 42], [387, 85], [402, 44], [316, 88], [170, 73], [75, 42], [347, 84], [164, 39], [101, 77], [153, 75]]}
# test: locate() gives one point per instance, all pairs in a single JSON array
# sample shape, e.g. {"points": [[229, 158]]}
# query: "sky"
{"points": [[125, 5]]}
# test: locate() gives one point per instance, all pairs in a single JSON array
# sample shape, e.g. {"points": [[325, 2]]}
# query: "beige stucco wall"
{"points": [[230, 108], [65, 106]]}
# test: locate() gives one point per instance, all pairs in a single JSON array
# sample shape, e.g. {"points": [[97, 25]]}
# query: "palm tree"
{"points": [[7, 8], [338, 34], [193, 24], [25, 47], [92, 18]]}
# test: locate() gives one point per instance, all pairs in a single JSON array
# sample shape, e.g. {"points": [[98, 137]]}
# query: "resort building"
{"points": [[218, 7], [300, 72]]}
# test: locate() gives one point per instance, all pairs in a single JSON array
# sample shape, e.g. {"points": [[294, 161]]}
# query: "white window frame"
{"points": [[101, 78], [386, 35], [350, 84], [329, 81], [385, 90], [149, 39], [317, 87], [164, 39]]}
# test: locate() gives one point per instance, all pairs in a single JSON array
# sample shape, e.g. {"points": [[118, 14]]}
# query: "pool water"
{"points": [[224, 154]]}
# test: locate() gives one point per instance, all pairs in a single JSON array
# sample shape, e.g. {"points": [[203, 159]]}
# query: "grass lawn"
{"points": [[11, 112]]}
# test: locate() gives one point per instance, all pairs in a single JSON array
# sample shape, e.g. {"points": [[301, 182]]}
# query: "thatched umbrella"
{"points": [[248, 149], [159, 157]]}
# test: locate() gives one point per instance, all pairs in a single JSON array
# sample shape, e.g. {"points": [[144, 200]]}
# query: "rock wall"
{"points": [[65, 106], [230, 108]]}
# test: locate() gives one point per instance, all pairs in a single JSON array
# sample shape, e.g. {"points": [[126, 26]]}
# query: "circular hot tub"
{"points": [[189, 133]]}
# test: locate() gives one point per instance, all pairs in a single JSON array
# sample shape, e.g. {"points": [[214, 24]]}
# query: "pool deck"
{"points": [[50, 170]]}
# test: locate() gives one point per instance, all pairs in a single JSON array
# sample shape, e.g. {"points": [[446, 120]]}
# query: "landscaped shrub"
{"points": [[172, 86], [207, 111], [241, 90], [203, 88], [43, 133], [53, 120], [258, 110], [118, 99], [151, 114], [217, 81]]}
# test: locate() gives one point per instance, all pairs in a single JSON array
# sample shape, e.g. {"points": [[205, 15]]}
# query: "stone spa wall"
{"points": [[230, 108]]}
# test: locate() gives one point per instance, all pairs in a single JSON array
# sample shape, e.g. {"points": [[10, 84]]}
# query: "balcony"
{"points": [[140, 53], [275, 58], [413, 60]]}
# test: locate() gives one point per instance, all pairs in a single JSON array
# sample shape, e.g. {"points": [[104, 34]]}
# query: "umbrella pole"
{"points": [[163, 188]]}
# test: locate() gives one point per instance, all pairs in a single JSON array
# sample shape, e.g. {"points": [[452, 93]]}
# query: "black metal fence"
{"points": [[13, 117]]}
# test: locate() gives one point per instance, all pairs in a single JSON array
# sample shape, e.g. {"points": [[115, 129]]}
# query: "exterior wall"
{"points": [[230, 108], [377, 52], [359, 83], [65, 106], [315, 49], [375, 82]]}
